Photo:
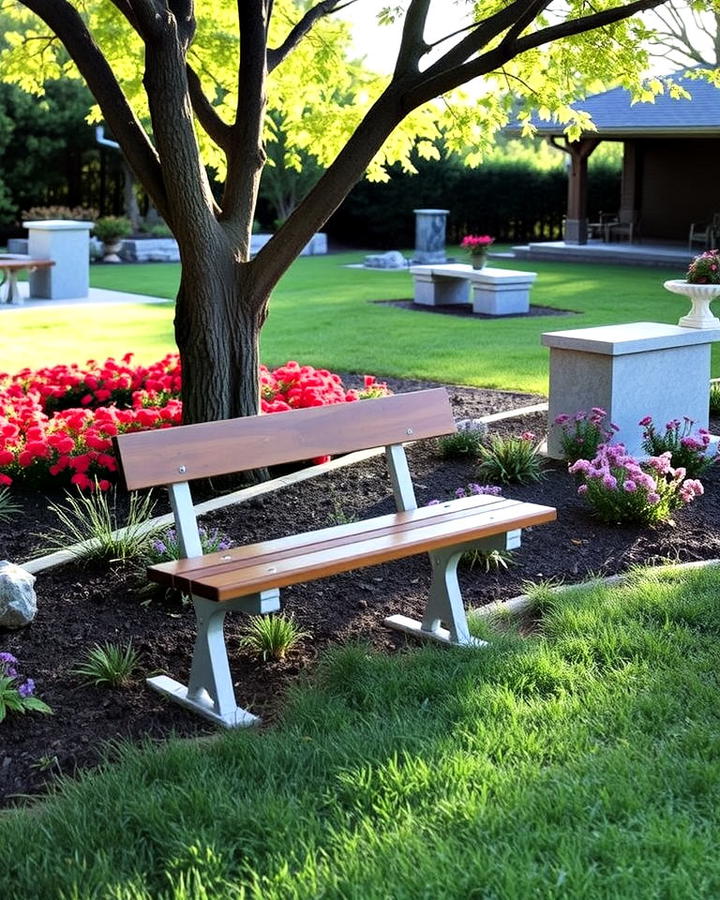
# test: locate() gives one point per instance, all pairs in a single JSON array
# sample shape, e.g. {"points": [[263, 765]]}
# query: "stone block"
{"points": [[632, 371], [393, 259], [150, 250], [67, 244], [18, 603], [501, 292]]}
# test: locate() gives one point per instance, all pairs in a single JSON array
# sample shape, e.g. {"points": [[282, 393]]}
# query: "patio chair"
{"points": [[626, 227], [599, 228], [705, 233]]}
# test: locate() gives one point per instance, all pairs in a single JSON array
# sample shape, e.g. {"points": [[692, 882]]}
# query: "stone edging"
{"points": [[518, 605], [41, 563]]}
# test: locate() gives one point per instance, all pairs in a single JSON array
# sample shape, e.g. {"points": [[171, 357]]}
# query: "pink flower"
{"points": [[582, 466], [561, 419], [610, 482], [629, 486], [653, 499], [646, 421], [527, 436], [583, 489]]}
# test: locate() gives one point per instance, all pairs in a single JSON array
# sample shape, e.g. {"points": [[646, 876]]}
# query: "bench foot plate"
{"points": [[442, 635], [238, 718]]}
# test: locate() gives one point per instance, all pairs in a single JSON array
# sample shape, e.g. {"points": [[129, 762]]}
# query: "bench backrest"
{"points": [[175, 455]]}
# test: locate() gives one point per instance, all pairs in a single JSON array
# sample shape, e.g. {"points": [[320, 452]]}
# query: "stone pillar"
{"points": [[430, 236], [67, 243], [631, 371]]}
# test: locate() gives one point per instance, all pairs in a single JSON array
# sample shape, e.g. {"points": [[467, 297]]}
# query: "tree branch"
{"points": [[209, 120], [147, 14], [277, 54], [412, 43], [439, 79], [69, 26]]}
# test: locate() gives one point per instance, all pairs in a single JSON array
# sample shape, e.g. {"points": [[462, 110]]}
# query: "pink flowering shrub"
{"points": [[583, 433], [687, 451], [622, 491], [57, 423], [705, 268], [476, 242]]}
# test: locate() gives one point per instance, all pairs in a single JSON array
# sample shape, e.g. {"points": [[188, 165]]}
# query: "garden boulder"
{"points": [[18, 603], [471, 425]]}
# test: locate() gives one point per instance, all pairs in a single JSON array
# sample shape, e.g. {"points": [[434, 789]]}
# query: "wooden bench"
{"points": [[249, 578], [10, 265], [492, 292]]}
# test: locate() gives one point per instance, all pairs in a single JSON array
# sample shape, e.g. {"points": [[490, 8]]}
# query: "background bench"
{"points": [[10, 265], [492, 292], [249, 578]]}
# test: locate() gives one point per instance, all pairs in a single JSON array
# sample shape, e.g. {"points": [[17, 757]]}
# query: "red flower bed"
{"points": [[58, 422]]}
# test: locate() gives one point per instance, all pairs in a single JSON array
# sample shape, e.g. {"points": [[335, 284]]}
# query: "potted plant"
{"points": [[701, 286], [111, 230], [478, 245]]}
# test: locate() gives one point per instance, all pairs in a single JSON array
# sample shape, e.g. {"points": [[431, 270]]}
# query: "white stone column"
{"points": [[67, 243], [632, 371]]}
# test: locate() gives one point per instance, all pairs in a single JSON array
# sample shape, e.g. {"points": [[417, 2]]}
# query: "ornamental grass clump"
{"points": [[715, 398], [511, 459], [622, 491], [705, 268], [17, 693], [687, 451], [272, 636], [583, 433], [465, 442]]}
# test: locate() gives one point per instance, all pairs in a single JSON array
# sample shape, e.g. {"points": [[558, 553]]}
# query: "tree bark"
{"points": [[217, 327]]}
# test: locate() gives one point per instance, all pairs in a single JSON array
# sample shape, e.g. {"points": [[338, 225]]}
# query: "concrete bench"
{"points": [[249, 578], [492, 292]]}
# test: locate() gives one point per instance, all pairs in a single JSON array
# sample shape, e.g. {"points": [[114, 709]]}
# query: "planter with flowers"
{"points": [[111, 230], [701, 287], [478, 246]]}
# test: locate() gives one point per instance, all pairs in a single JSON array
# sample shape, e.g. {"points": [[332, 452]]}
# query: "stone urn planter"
{"points": [[700, 297], [478, 260], [111, 230]]}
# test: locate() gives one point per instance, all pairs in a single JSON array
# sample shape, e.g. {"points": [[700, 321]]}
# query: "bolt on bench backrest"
{"points": [[174, 455]]}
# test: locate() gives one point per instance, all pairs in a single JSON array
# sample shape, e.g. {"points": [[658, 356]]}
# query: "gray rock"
{"points": [[18, 603], [393, 259], [471, 425]]}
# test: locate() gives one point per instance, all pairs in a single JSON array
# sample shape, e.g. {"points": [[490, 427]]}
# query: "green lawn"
{"points": [[322, 314], [581, 762]]}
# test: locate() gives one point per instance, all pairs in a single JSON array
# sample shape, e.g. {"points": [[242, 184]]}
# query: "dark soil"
{"points": [[465, 309], [82, 606]]}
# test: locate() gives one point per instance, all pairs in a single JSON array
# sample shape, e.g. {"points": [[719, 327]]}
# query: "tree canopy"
{"points": [[184, 85]]}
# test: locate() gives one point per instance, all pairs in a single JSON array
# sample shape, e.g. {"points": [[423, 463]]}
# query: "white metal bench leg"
{"points": [[445, 603], [210, 689]]}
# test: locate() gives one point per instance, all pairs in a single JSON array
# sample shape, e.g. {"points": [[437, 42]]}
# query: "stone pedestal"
{"points": [[68, 245], [501, 292], [632, 371], [430, 236]]}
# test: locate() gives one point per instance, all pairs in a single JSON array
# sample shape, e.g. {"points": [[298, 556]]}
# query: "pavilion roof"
{"points": [[615, 116]]}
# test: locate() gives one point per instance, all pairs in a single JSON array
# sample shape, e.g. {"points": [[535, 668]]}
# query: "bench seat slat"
{"points": [[271, 564], [334, 535]]}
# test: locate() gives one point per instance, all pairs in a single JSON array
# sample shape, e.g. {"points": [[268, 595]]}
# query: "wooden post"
{"points": [[576, 219]]}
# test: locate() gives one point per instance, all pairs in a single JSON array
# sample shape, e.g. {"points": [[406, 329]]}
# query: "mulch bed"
{"points": [[81, 606], [465, 309]]}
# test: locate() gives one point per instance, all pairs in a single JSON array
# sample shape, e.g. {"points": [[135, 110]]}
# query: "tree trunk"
{"points": [[217, 328]]}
